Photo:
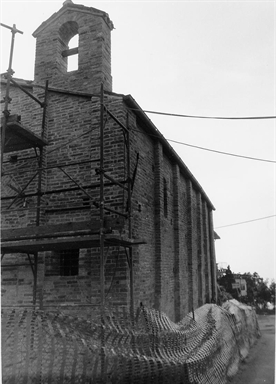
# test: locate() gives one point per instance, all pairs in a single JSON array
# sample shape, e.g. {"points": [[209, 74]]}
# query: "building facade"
{"points": [[96, 205], [240, 286]]}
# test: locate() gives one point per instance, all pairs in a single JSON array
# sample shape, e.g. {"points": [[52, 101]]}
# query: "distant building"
{"points": [[241, 286], [97, 207]]}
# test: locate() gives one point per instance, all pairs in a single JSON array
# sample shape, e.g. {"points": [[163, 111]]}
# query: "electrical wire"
{"points": [[204, 148], [208, 149], [222, 153], [206, 117], [245, 222]]}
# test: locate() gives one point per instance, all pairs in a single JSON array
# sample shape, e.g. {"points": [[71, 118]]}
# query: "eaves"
{"points": [[168, 149]]}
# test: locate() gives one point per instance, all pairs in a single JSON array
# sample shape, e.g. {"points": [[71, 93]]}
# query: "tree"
{"points": [[263, 294], [259, 293], [226, 281], [251, 283], [272, 292]]}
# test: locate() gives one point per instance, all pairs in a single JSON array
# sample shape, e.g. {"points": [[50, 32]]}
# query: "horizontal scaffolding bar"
{"points": [[60, 230], [31, 306], [52, 305], [73, 242], [64, 165], [64, 209], [62, 190], [114, 211], [53, 229], [15, 265]]}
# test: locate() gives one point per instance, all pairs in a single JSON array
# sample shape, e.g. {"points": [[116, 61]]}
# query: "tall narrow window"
{"points": [[69, 46], [73, 54], [165, 197], [69, 262]]}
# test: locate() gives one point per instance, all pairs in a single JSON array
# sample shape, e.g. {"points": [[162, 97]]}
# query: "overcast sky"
{"points": [[207, 58]]}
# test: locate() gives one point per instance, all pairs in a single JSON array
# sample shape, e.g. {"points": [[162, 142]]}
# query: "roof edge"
{"points": [[129, 100]]}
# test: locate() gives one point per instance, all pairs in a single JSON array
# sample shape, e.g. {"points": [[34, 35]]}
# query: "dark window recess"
{"points": [[69, 262], [165, 197]]}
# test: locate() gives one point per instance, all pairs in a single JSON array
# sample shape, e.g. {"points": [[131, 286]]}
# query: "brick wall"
{"points": [[143, 208], [183, 252], [17, 282], [178, 250], [73, 136], [19, 172], [167, 233]]}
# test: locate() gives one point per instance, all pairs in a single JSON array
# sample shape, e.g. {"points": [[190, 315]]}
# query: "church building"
{"points": [[98, 210]]}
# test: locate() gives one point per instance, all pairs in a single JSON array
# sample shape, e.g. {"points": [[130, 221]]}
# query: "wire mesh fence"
{"points": [[51, 347]]}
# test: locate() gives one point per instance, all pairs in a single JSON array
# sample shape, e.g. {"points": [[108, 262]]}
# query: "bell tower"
{"points": [[91, 29]]}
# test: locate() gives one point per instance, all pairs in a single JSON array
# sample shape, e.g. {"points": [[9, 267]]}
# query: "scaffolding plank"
{"points": [[55, 230], [123, 242], [18, 138], [74, 242]]}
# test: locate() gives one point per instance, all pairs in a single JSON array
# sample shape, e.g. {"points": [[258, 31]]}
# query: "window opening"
{"points": [[69, 262], [73, 54], [165, 197]]}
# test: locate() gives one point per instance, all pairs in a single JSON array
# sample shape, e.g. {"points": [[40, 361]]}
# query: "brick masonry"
{"points": [[174, 271]]}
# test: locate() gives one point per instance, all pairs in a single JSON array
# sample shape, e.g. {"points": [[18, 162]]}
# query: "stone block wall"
{"points": [[93, 28]]}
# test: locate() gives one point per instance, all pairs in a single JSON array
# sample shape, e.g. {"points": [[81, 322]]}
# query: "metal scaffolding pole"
{"points": [[130, 256], [39, 188], [102, 256], [102, 277]]}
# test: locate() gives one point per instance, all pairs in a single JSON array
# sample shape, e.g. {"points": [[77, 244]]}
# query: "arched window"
{"points": [[73, 58], [69, 40]]}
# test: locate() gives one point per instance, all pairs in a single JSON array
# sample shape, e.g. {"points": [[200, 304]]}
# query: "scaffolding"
{"points": [[100, 233]]}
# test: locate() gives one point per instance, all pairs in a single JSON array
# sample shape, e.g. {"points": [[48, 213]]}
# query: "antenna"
{"points": [[7, 98]]}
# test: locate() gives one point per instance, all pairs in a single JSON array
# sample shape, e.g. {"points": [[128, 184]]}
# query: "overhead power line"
{"points": [[207, 117], [208, 149], [221, 152], [245, 222]]}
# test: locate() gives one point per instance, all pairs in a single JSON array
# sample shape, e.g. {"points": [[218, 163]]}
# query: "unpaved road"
{"points": [[259, 366]]}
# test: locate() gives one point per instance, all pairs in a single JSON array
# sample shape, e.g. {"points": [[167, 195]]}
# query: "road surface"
{"points": [[259, 366]]}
